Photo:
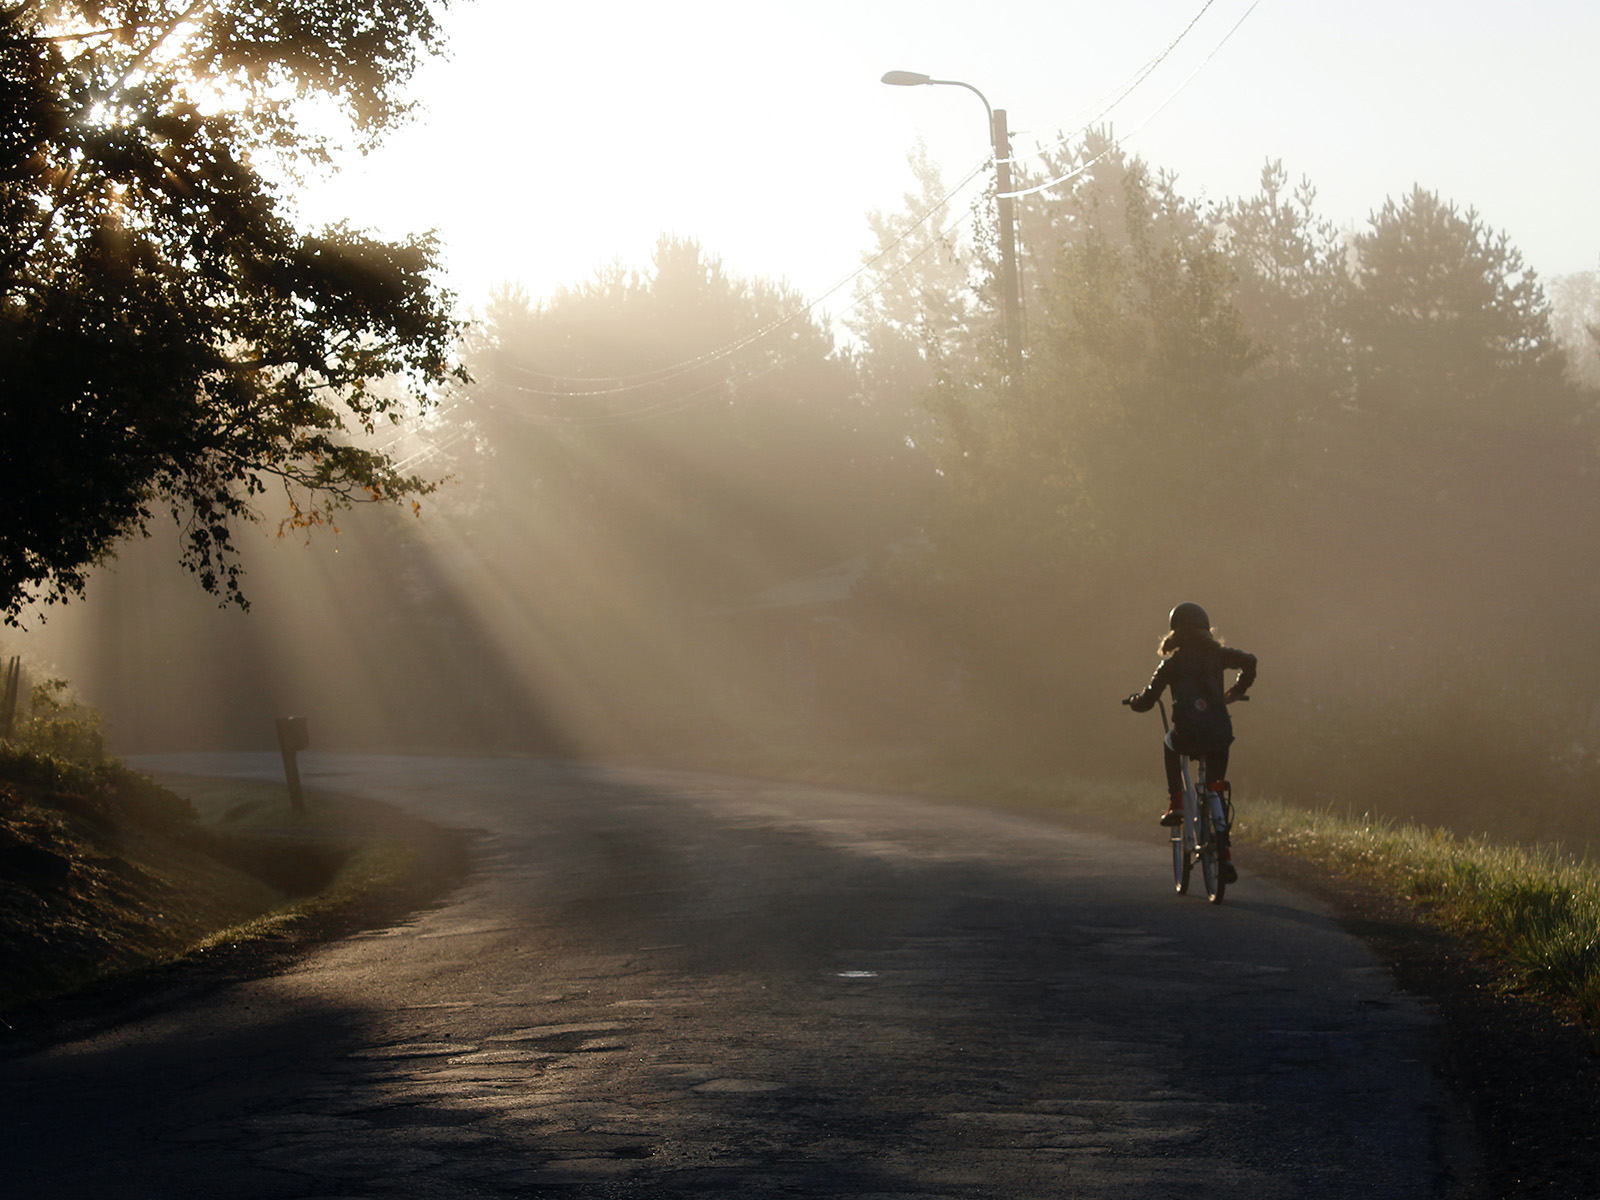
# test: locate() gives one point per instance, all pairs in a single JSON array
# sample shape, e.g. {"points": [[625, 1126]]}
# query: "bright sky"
{"points": [[559, 138]]}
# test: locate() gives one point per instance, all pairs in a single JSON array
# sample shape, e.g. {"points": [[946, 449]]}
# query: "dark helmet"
{"points": [[1189, 616]]}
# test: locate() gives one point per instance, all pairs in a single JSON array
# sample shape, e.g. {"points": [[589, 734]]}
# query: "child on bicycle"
{"points": [[1192, 665]]}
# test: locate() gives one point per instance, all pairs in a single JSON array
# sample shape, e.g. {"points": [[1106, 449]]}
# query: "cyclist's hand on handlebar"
{"points": [[1138, 704], [1233, 696]]}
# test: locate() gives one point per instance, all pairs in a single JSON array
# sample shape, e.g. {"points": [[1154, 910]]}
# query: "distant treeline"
{"points": [[1367, 453]]}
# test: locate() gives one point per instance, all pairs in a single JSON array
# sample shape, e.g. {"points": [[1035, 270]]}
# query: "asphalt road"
{"points": [[660, 984]]}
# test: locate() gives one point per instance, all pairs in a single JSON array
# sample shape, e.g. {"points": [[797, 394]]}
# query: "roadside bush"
{"points": [[58, 726], [43, 772], [58, 751]]}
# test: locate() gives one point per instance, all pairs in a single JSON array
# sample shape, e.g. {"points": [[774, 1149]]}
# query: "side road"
{"points": [[422, 862]]}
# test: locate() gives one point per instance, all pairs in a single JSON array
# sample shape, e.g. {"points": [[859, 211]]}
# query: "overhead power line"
{"points": [[589, 386], [1150, 116], [625, 384], [1120, 93]]}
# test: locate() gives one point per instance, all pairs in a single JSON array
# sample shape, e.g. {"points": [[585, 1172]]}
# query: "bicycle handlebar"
{"points": [[1127, 701]]}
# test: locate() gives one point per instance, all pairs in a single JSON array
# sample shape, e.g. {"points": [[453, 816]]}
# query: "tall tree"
{"points": [[1135, 352], [168, 337], [645, 451], [1107, 464], [702, 419], [916, 306], [1575, 319], [1290, 267], [1448, 325]]}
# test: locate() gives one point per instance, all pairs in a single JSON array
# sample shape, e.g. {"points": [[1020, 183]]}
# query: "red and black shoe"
{"points": [[1174, 814]]}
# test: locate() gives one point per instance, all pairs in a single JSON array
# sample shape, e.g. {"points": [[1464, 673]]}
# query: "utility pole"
{"points": [[1010, 301], [1011, 304]]}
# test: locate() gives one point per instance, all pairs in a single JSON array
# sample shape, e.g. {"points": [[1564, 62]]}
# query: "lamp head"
{"points": [[907, 78]]}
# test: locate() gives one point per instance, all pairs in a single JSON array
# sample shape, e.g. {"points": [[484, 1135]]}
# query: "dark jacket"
{"points": [[1200, 722]]}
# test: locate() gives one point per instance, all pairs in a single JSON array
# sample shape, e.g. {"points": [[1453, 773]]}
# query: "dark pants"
{"points": [[1216, 765]]}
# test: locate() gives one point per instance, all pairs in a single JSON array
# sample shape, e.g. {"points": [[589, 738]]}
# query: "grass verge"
{"points": [[1533, 913]]}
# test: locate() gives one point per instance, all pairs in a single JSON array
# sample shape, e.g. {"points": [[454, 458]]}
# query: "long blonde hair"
{"points": [[1187, 635]]}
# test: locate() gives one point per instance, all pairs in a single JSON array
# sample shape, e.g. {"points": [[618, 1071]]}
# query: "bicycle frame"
{"points": [[1205, 821]]}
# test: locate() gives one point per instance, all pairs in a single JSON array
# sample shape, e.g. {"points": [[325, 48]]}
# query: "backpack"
{"points": [[1200, 721]]}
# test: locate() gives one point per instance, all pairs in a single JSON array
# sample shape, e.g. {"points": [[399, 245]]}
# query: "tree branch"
{"points": [[144, 55]]}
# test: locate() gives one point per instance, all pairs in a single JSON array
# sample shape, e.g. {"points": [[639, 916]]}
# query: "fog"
{"points": [[685, 517]]}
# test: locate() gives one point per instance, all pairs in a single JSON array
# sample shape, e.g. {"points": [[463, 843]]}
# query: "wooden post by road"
{"points": [[293, 736], [8, 697]]}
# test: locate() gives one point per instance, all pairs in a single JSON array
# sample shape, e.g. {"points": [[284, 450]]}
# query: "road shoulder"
{"points": [[1530, 1079]]}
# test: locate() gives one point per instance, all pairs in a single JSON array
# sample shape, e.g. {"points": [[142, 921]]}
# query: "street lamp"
{"points": [[1001, 139]]}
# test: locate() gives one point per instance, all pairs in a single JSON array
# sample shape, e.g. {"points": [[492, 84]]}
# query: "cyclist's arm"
{"points": [[1245, 664], [1146, 700]]}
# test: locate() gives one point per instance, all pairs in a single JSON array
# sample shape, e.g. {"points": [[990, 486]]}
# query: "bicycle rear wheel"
{"points": [[1210, 864]]}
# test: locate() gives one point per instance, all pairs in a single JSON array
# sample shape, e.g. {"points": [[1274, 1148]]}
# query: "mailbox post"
{"points": [[293, 736]]}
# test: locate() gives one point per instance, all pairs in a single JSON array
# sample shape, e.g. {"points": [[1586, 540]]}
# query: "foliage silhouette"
{"points": [[168, 338]]}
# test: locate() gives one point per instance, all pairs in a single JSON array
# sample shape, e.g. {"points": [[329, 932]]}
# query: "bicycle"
{"points": [[1202, 836]]}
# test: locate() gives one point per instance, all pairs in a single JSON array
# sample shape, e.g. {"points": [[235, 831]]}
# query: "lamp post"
{"points": [[1001, 139]]}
